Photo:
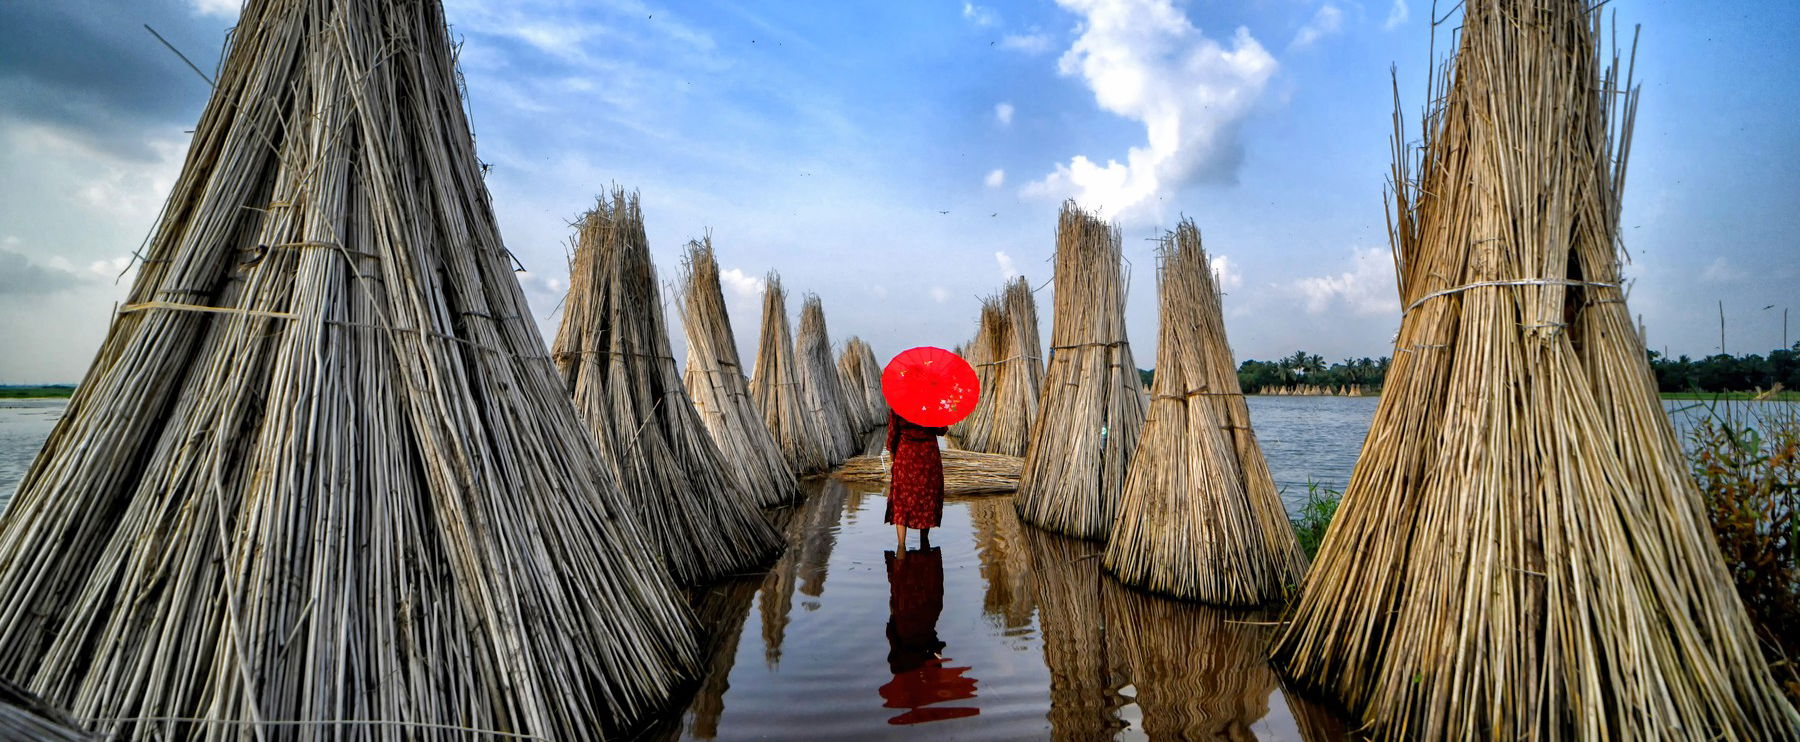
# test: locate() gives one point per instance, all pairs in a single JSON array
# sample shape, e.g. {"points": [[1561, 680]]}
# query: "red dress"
{"points": [[916, 496]]}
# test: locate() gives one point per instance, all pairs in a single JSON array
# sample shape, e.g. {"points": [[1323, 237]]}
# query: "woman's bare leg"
{"points": [[899, 538]]}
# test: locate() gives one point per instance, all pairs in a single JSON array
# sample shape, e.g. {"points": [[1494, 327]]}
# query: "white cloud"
{"points": [[226, 8], [1007, 269], [1145, 61], [1036, 42], [110, 269], [1226, 273], [740, 285], [1366, 289], [1324, 23], [1722, 271], [940, 294], [980, 16], [1396, 15], [1003, 113], [995, 178], [879, 291]]}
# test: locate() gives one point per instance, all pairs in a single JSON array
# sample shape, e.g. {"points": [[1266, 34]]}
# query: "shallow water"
{"points": [[24, 424], [841, 640]]}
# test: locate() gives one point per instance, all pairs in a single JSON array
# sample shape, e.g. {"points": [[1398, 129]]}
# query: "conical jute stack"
{"points": [[322, 474], [1009, 394], [855, 382], [871, 382], [613, 351], [1200, 519], [775, 388], [1521, 553], [1093, 402], [715, 381], [820, 387], [982, 350]]}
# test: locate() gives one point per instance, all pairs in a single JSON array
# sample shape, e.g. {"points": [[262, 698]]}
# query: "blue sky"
{"points": [[828, 140]]}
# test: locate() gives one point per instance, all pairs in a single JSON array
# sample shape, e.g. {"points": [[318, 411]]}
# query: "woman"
{"points": [[916, 494]]}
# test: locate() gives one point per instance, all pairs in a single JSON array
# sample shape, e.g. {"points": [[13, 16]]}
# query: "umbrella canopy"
{"points": [[930, 386]]}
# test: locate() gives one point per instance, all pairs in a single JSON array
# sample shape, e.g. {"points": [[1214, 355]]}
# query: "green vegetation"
{"points": [[1727, 373], [46, 391], [1315, 516], [1309, 369], [1788, 395], [1748, 469]]}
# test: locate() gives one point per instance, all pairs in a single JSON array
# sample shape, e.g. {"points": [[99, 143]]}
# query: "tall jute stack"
{"points": [[1093, 402], [715, 380], [856, 404], [1002, 423], [1520, 552], [984, 349], [322, 474], [820, 387], [775, 388], [1200, 519], [613, 352], [871, 383]]}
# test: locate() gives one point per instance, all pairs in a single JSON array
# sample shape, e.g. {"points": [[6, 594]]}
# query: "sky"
{"points": [[903, 159]]}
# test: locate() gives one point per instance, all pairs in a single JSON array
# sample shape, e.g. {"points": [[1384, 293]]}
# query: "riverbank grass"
{"points": [[45, 391]]}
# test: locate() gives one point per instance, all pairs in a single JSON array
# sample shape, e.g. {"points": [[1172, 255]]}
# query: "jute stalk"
{"points": [[1002, 422], [820, 385], [715, 381], [1093, 403], [1200, 518], [1521, 552], [965, 472], [775, 388], [612, 348]]}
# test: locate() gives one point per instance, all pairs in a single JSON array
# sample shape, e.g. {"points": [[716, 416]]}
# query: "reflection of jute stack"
{"points": [[775, 388], [1087, 667], [1200, 672], [1521, 552], [1093, 402], [613, 351], [322, 479], [965, 472], [1005, 563], [821, 390], [811, 531], [715, 380], [722, 609], [1200, 519]]}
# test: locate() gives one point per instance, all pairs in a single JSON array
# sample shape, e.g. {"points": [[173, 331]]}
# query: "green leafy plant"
{"points": [[1315, 516]]}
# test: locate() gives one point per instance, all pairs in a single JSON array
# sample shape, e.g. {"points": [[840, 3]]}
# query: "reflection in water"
{"points": [[722, 609], [1005, 563], [923, 676], [1199, 671], [1086, 673], [810, 530]]}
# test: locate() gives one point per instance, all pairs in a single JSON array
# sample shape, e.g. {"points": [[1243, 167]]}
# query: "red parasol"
{"points": [[930, 386]]}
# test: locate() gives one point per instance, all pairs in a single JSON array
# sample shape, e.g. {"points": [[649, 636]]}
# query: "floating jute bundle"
{"points": [[1521, 553], [775, 388], [1201, 518], [1093, 402], [715, 381], [697, 513], [965, 472], [322, 478], [820, 385], [1002, 420]]}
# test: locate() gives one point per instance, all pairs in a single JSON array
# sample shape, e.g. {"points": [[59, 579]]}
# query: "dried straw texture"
{"points": [[1200, 519], [1520, 553], [322, 474], [965, 472], [871, 384], [715, 381], [613, 352], [820, 387], [775, 388], [1008, 408], [862, 385], [1093, 403], [981, 352], [856, 404], [24, 716]]}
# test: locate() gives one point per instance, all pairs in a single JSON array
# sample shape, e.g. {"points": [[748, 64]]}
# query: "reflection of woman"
{"points": [[915, 598], [916, 494]]}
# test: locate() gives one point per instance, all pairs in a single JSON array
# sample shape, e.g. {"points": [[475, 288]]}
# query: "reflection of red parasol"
{"points": [[930, 386]]}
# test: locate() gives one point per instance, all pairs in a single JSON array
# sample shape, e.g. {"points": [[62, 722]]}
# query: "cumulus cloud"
{"points": [[1396, 15], [980, 16], [995, 178], [1226, 273], [740, 285], [20, 276], [1145, 61], [1003, 113], [1036, 42], [1324, 23], [940, 294], [1007, 269], [1367, 288], [226, 8], [1723, 271], [112, 269]]}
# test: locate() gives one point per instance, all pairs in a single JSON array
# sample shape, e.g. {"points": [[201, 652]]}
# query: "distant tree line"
{"points": [[1310, 370], [1728, 373]]}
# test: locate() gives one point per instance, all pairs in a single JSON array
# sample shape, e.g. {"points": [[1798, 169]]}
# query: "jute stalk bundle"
{"points": [[775, 388], [853, 371], [856, 404], [820, 386], [982, 351], [715, 380], [1002, 422], [1201, 518], [24, 716], [1520, 552], [965, 472], [871, 384], [322, 478], [613, 352], [1093, 402]]}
